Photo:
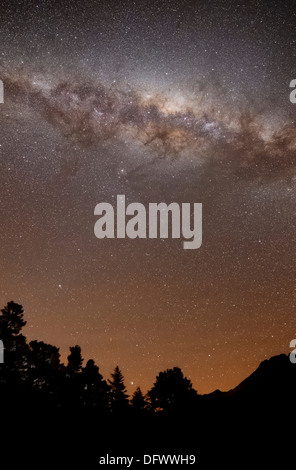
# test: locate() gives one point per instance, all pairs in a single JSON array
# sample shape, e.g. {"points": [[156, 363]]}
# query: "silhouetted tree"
{"points": [[46, 372], [16, 351], [138, 402], [118, 395], [172, 391], [75, 360], [73, 389], [44, 355], [11, 320], [95, 388]]}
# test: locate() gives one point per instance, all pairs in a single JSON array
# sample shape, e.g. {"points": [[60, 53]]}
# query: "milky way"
{"points": [[193, 125]]}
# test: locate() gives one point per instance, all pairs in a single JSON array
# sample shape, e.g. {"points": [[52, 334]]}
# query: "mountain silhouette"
{"points": [[275, 379]]}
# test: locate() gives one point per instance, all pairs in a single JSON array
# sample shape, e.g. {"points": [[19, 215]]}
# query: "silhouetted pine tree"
{"points": [[138, 402], [118, 396], [11, 320], [95, 388], [75, 360], [46, 371], [14, 373], [74, 382]]}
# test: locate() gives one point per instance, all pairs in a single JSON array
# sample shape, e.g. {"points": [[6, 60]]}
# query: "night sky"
{"points": [[163, 101]]}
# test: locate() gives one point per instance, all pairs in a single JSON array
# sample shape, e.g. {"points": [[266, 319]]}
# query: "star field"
{"points": [[163, 102]]}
